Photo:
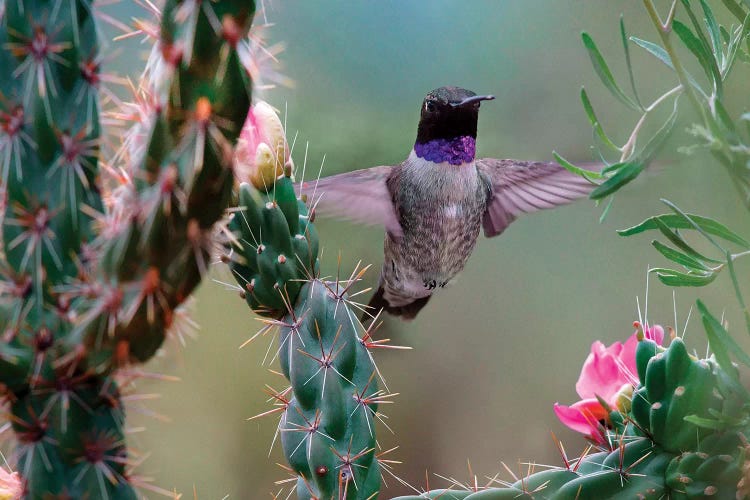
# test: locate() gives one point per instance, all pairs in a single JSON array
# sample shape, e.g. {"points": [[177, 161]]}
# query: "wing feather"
{"points": [[360, 196], [518, 187]]}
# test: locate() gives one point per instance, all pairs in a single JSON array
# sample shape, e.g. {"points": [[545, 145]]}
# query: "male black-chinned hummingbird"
{"points": [[434, 203]]}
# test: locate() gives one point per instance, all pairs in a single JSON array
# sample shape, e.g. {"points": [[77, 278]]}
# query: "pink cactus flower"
{"points": [[11, 485], [607, 373], [262, 153]]}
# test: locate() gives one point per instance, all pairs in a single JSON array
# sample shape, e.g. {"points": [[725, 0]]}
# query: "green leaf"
{"points": [[601, 68], [683, 259], [720, 422], [678, 241], [725, 36], [605, 212], [662, 55], [696, 25], [654, 49], [704, 43], [701, 52], [733, 47], [586, 174], [626, 48], [720, 341], [676, 221], [708, 225], [670, 277], [612, 168], [694, 224], [708, 423], [713, 31], [626, 173], [721, 113], [735, 8], [595, 121]]}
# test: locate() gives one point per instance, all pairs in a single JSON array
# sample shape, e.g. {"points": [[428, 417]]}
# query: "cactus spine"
{"points": [[327, 419], [93, 267]]}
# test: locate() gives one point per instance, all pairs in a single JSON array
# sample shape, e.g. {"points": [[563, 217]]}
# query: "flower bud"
{"points": [[262, 153], [11, 485], [624, 398]]}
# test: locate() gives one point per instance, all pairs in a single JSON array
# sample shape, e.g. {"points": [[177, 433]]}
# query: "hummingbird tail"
{"points": [[406, 311]]}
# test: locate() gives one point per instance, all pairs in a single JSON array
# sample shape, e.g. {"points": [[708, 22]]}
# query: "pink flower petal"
{"points": [[11, 485], [655, 333], [602, 373], [607, 372], [585, 417]]}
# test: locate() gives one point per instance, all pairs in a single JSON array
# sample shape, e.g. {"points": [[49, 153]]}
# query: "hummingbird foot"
{"points": [[407, 311]]}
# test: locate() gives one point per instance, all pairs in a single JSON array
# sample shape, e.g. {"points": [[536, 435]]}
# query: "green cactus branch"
{"points": [[94, 266], [327, 419]]}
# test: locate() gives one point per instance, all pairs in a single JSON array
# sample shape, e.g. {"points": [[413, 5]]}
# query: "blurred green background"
{"points": [[494, 351]]}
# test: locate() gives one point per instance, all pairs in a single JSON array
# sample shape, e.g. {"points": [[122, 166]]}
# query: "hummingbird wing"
{"points": [[518, 186], [360, 196]]}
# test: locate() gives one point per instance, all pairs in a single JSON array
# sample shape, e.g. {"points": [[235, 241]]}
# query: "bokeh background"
{"points": [[492, 353]]}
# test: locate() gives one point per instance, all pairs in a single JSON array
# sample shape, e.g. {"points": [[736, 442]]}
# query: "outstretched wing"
{"points": [[526, 186], [360, 196]]}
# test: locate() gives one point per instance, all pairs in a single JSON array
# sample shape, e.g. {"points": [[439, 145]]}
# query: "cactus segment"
{"points": [[327, 427], [93, 264]]}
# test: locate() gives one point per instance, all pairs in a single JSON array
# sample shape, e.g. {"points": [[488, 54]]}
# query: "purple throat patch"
{"points": [[456, 151]]}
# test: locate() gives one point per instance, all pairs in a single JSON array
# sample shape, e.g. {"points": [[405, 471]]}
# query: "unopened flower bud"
{"points": [[262, 153], [624, 398]]}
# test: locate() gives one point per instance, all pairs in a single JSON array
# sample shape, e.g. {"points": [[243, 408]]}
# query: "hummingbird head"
{"points": [[448, 125]]}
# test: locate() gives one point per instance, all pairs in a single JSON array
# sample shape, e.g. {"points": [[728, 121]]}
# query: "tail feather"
{"points": [[407, 311]]}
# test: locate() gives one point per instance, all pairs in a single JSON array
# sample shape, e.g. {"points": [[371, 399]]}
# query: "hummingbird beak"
{"points": [[472, 100]]}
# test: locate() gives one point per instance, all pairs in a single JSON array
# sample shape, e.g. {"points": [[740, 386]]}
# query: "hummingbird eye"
{"points": [[429, 106]]}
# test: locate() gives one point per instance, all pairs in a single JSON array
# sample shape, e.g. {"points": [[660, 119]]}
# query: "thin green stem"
{"points": [[627, 148], [664, 29]]}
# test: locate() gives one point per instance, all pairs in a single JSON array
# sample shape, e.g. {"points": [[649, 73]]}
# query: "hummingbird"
{"points": [[434, 204]]}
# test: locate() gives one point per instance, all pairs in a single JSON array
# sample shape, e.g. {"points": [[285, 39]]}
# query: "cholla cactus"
{"points": [[327, 415], [676, 427], [94, 268]]}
